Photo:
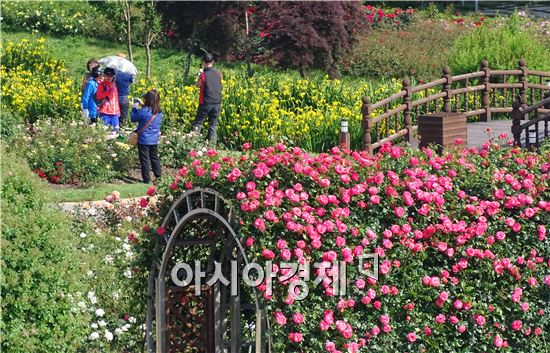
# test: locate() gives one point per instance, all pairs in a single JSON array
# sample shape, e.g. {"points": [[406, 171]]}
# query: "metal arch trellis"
{"points": [[201, 204]]}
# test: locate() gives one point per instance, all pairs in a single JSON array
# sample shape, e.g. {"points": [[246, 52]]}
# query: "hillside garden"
{"points": [[462, 235]]}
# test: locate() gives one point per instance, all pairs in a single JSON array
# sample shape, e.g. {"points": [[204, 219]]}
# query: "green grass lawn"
{"points": [[76, 51], [93, 193]]}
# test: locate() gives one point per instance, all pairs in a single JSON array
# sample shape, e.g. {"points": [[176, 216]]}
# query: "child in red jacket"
{"points": [[107, 95]]}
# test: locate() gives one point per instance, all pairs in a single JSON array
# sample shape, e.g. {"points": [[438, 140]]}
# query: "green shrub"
{"points": [[10, 126], [403, 53], [502, 46], [75, 153], [40, 271], [55, 17]]}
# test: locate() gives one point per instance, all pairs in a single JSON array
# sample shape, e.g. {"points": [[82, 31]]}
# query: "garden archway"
{"points": [[206, 316]]}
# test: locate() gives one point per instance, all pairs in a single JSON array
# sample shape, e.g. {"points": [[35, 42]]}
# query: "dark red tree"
{"points": [[311, 35]]}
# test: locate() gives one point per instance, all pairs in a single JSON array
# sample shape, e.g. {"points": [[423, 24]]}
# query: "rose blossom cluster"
{"points": [[461, 239]]}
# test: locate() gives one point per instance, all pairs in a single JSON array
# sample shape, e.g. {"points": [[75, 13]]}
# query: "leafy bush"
{"points": [[502, 46], [175, 145], [75, 153], [59, 18], [40, 272], [10, 126], [378, 18], [405, 53], [458, 271]]}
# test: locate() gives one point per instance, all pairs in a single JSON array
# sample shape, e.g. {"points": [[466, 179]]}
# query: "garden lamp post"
{"points": [[344, 140]]}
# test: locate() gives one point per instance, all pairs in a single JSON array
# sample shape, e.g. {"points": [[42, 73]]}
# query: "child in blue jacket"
{"points": [[148, 136], [87, 102]]}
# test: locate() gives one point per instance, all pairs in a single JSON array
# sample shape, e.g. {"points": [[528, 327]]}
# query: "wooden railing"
{"points": [[530, 128], [477, 94]]}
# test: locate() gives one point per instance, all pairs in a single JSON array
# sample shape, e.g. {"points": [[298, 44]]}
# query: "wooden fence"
{"points": [[478, 94], [532, 125]]}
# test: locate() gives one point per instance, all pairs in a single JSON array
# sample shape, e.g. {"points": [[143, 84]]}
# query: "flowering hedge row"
{"points": [[461, 238]]}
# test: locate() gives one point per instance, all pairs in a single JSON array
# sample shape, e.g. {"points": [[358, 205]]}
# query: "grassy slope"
{"points": [[75, 52], [95, 192]]}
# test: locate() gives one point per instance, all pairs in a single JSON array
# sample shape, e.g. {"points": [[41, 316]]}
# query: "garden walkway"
{"points": [[480, 132], [477, 133], [71, 206]]}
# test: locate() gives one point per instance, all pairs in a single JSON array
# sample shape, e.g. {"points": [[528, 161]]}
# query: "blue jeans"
{"points": [[212, 112], [112, 120]]}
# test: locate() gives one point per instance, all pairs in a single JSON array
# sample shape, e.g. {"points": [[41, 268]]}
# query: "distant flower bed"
{"points": [[75, 154]]}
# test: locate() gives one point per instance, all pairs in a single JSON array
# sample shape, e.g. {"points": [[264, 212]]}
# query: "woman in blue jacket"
{"points": [[149, 119], [87, 102]]}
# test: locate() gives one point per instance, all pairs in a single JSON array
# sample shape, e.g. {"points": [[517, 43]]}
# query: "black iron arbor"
{"points": [[187, 315]]}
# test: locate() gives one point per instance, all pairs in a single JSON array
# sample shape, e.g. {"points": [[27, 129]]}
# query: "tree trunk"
{"points": [[128, 19], [249, 71], [148, 56], [190, 49]]}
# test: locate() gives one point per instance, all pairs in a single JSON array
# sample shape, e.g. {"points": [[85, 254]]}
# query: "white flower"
{"points": [[199, 153], [83, 235], [118, 331], [128, 274], [132, 319], [82, 305], [92, 298], [108, 259], [90, 273], [100, 312], [118, 239], [94, 325], [128, 219], [126, 247], [116, 295], [102, 323], [126, 327], [108, 335], [129, 255], [94, 336]]}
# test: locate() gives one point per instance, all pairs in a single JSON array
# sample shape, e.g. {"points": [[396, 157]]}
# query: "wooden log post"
{"points": [[486, 91], [523, 81], [447, 87], [516, 115], [366, 110], [407, 100]]}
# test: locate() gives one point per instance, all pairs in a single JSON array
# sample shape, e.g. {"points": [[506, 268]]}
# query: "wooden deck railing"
{"points": [[482, 93], [530, 128]]}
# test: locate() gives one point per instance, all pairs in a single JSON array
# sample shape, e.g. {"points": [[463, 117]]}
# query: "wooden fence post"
{"points": [[523, 81], [486, 90], [516, 121], [447, 87], [366, 110], [407, 113]]}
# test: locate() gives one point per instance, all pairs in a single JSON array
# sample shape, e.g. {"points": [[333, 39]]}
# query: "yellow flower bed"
{"points": [[262, 110]]}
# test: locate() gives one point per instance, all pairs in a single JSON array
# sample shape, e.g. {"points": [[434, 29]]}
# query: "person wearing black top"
{"points": [[209, 81]]}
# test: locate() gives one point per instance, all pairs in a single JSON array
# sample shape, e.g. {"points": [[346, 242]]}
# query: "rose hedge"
{"points": [[462, 240]]}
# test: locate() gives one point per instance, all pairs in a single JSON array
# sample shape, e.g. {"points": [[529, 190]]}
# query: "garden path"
{"points": [[71, 206], [480, 132]]}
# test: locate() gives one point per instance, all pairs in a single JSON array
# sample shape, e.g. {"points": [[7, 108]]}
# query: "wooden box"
{"points": [[441, 128]]}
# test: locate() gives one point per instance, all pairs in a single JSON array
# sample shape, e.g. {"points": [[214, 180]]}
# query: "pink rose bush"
{"points": [[461, 240]]}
